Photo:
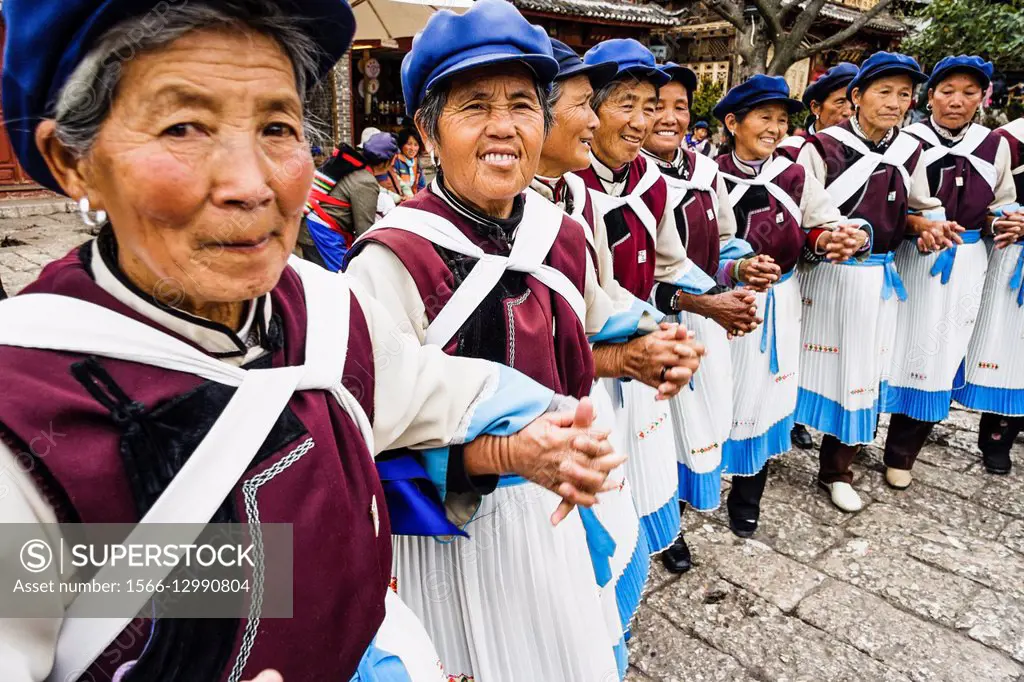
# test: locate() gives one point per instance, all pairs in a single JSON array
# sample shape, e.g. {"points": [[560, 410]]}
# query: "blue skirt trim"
{"points": [[1005, 401], [630, 588], [748, 456], [703, 492], [853, 427], [925, 406], [662, 526], [621, 658]]}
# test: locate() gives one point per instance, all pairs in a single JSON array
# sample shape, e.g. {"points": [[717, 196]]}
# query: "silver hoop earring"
{"points": [[87, 215], [928, 106]]}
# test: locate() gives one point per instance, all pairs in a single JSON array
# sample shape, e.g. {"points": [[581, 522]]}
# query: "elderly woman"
{"points": [[480, 268], [406, 166], [782, 212], [632, 213], [873, 171], [829, 105], [969, 170], [195, 374], [703, 416], [994, 369]]}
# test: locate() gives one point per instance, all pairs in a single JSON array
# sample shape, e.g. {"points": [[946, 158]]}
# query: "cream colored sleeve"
{"points": [[27, 646], [670, 254], [817, 205], [1005, 190], [726, 218], [812, 162], [921, 198]]}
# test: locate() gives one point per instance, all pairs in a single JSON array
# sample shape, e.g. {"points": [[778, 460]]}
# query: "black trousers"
{"points": [[744, 503]]}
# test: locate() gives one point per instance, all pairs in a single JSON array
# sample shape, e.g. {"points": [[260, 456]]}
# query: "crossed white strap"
{"points": [[765, 178], [965, 148], [853, 179], [794, 142], [61, 323], [533, 240], [605, 203], [701, 179], [577, 189]]}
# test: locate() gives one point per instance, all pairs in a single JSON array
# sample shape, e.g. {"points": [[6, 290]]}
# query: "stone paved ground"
{"points": [[922, 585]]}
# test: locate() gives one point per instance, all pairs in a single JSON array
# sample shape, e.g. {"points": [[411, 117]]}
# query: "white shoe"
{"points": [[844, 496], [900, 479]]}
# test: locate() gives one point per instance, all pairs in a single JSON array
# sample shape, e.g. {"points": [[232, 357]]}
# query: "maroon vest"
{"points": [[763, 221], [521, 324], [97, 473], [883, 202], [1016, 160], [792, 153], [697, 221], [628, 239], [968, 201]]}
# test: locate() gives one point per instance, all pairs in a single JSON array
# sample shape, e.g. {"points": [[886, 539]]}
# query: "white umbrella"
{"points": [[388, 20]]}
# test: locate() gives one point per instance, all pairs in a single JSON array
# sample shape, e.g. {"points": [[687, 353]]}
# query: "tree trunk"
{"points": [[757, 62]]}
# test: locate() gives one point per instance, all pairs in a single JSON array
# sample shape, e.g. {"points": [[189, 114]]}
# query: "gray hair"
{"points": [[428, 116], [602, 94], [85, 101]]}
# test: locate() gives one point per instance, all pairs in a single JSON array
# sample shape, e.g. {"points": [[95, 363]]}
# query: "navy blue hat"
{"points": [[886, 64], [630, 57], [681, 74], [975, 66], [491, 32], [47, 39], [570, 64], [836, 78], [701, 124], [380, 148], [758, 89]]}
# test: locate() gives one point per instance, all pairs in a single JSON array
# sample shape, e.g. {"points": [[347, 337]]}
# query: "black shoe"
{"points": [[801, 438], [997, 463], [742, 529], [676, 559]]}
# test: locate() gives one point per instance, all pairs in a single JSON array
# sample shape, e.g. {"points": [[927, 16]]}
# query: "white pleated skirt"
{"points": [[517, 600], [764, 400], [629, 565], [933, 329], [702, 417], [847, 336], [401, 636], [651, 468], [993, 376]]}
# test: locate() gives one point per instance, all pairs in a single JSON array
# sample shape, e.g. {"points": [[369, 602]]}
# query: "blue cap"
{"points": [[975, 66], [631, 58], [756, 90], [380, 148], [701, 124], [836, 78], [491, 32], [681, 74], [570, 64], [47, 39], [882, 64]]}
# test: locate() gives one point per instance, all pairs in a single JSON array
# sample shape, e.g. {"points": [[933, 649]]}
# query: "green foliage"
{"points": [[799, 119], [993, 29], [708, 94]]}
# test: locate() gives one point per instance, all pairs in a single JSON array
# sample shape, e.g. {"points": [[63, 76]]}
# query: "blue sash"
{"points": [[1017, 279], [329, 243], [891, 281], [378, 665], [414, 505], [944, 263], [769, 325]]}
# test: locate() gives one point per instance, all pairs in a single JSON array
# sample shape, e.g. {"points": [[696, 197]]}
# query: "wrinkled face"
{"points": [[411, 148], [567, 146], [490, 136], [700, 134], [956, 100], [885, 101], [671, 121], [760, 131], [834, 110], [203, 168], [627, 116]]}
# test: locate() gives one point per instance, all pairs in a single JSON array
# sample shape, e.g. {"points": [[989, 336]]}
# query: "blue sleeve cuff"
{"points": [[735, 248], [693, 280], [621, 327], [1006, 210]]}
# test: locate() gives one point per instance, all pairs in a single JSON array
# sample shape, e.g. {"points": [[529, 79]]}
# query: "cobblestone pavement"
{"points": [[925, 584]]}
